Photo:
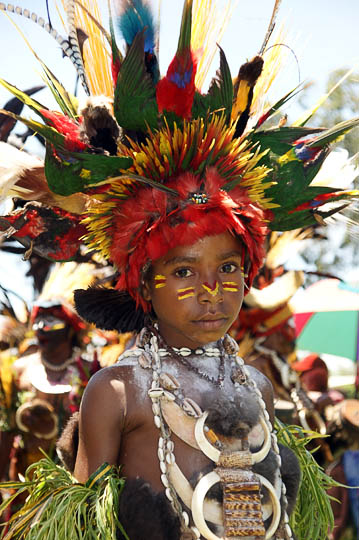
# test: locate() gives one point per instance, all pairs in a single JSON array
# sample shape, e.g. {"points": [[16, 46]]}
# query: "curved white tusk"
{"points": [[262, 453], [256, 436], [179, 422], [276, 507], [212, 509], [267, 508], [210, 451], [199, 494], [302, 414]]}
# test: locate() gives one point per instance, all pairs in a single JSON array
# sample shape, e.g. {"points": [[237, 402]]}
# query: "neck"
{"points": [[58, 354]]}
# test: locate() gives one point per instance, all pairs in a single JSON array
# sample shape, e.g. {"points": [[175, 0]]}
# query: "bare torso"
{"points": [[124, 418]]}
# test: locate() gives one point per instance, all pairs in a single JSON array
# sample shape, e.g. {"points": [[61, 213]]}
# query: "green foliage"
{"points": [[312, 516], [58, 507]]}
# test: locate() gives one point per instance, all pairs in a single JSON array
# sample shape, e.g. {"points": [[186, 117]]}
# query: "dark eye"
{"points": [[183, 273], [228, 268]]}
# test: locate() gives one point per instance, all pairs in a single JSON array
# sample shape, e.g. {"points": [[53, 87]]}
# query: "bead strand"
{"points": [[165, 445], [275, 446]]}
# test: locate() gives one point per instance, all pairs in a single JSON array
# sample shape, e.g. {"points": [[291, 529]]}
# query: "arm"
{"points": [[266, 388], [102, 415], [6, 442]]}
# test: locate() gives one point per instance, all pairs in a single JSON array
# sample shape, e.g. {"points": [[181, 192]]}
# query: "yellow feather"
{"points": [[209, 22], [97, 57], [274, 60], [66, 277], [240, 104]]}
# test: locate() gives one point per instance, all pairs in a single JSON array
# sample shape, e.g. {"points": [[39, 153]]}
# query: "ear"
{"points": [[146, 291]]}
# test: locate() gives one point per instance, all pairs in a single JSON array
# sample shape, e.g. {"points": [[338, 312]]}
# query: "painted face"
{"points": [[203, 290], [50, 330]]}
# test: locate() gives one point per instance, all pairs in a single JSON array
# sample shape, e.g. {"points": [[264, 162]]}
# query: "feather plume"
{"points": [[271, 26], [70, 49], [175, 92], [75, 45], [243, 92], [209, 22], [23, 175], [96, 54], [109, 309], [135, 16], [282, 246]]}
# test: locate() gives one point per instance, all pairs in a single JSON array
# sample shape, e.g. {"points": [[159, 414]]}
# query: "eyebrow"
{"points": [[189, 260], [229, 254], [181, 260]]}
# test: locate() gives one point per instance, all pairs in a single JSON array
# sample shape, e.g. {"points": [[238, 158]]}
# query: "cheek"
{"points": [[183, 293]]}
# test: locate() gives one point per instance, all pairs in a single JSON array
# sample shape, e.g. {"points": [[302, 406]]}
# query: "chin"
{"points": [[209, 337]]}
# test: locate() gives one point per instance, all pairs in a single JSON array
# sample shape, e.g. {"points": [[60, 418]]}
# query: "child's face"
{"points": [[197, 291]]}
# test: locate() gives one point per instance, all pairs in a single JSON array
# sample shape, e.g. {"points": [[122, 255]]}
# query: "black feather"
{"points": [[109, 309]]}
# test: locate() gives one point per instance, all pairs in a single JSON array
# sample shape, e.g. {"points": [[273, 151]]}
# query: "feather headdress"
{"points": [[166, 164], [57, 292]]}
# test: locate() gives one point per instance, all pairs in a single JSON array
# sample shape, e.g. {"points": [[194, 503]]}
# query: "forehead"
{"points": [[213, 248], [48, 313]]}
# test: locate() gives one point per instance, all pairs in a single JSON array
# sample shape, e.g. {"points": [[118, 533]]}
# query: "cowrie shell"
{"points": [[169, 382], [168, 494], [164, 480], [155, 393], [145, 360], [167, 395], [191, 408]]}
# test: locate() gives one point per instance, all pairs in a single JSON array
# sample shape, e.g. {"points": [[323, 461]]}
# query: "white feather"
{"points": [[13, 164]]}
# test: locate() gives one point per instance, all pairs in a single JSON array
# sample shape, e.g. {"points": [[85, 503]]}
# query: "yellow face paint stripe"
{"points": [[160, 281], [185, 293], [189, 295], [212, 290], [230, 286]]}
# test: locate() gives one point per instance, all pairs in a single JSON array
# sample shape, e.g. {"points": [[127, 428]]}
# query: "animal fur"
{"points": [[99, 128], [145, 514], [67, 444], [232, 417]]}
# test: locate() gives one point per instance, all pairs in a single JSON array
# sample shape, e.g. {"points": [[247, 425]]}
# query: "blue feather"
{"points": [[135, 17]]}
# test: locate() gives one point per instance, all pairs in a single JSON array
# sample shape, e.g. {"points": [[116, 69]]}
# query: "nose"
{"points": [[210, 292]]}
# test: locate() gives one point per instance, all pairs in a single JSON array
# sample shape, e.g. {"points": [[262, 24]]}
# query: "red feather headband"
{"points": [[157, 221]]}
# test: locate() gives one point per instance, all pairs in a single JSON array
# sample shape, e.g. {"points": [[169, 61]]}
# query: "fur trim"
{"points": [[67, 445], [145, 514]]}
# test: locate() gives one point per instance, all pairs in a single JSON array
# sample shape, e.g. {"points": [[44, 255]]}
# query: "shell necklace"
{"points": [[176, 485], [60, 367]]}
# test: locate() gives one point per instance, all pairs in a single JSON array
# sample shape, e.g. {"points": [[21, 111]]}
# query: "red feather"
{"points": [[64, 125], [175, 92]]}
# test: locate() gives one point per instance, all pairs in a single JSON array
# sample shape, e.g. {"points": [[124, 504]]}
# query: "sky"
{"points": [[323, 35]]}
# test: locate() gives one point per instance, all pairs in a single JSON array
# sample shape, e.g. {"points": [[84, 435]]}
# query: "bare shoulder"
{"points": [[112, 382], [263, 383], [266, 388]]}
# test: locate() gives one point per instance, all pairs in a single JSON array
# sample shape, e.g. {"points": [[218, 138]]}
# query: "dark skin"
{"points": [[116, 419], [55, 345]]}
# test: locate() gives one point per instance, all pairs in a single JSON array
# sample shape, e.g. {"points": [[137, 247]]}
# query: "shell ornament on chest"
{"points": [[243, 495]]}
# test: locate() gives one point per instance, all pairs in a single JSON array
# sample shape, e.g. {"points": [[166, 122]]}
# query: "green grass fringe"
{"points": [[312, 517], [57, 507]]}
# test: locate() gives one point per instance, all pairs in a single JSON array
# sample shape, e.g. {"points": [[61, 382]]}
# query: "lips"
{"points": [[211, 322]]}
